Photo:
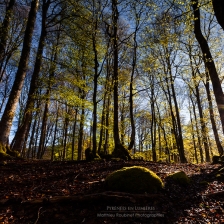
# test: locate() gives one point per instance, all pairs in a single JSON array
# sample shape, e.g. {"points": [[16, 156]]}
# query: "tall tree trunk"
{"points": [[193, 138], [95, 81], [43, 129], [66, 123], [81, 134], [211, 112], [105, 148], [73, 134], [102, 123], [37, 132], [132, 139], [47, 102], [7, 117], [167, 151], [115, 73], [197, 94], [55, 133], [119, 150], [218, 6], [203, 126], [197, 130], [174, 122], [179, 128], [208, 60], [4, 31], [153, 122], [122, 120], [23, 128]]}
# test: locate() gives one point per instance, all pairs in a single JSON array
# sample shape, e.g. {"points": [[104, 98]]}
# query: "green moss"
{"points": [[179, 177], [97, 159], [116, 159], [135, 179], [121, 152], [2, 148], [7, 153], [203, 183]]}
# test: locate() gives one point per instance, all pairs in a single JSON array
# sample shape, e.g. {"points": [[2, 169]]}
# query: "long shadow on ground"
{"points": [[63, 192]]}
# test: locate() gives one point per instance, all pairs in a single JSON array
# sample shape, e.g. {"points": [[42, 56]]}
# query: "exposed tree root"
{"points": [[104, 196], [7, 154]]}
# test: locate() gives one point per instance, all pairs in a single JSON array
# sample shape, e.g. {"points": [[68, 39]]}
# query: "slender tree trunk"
{"points": [[132, 139], [208, 60], [7, 117], [193, 138], [119, 150], [31, 142], [4, 31], [73, 134], [81, 130], [115, 73], [55, 133], [43, 129], [179, 137], [66, 123], [197, 94], [37, 132], [122, 121], [203, 126], [211, 112], [102, 123], [153, 122], [95, 91], [167, 151], [107, 124], [197, 130], [23, 128], [174, 125]]}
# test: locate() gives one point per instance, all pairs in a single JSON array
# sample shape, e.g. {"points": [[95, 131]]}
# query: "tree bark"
{"points": [[115, 72], [203, 126], [23, 128], [211, 112], [119, 150], [193, 138], [81, 131], [153, 122], [197, 130], [209, 63], [73, 134], [5, 29], [55, 133], [95, 81], [132, 139], [7, 117], [218, 6]]}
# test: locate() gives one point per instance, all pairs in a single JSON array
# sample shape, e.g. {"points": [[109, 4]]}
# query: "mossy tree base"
{"points": [[121, 152], [7, 154]]}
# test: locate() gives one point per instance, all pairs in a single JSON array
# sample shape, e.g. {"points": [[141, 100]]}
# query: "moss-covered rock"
{"points": [[135, 179], [179, 177]]}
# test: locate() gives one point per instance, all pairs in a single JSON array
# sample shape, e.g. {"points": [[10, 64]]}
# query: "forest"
{"points": [[135, 79], [111, 111]]}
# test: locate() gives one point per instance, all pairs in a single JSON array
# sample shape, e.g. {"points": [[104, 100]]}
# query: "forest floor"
{"points": [[41, 192]]}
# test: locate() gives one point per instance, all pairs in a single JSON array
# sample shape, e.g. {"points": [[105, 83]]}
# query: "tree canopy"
{"points": [[123, 78]]}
